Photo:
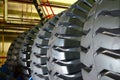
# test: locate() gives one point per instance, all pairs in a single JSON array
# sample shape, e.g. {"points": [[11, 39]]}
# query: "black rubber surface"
{"points": [[100, 45], [25, 51], [64, 52], [39, 50], [12, 56]]}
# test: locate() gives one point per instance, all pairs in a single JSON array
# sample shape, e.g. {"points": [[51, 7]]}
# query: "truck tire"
{"points": [[9, 55], [25, 51], [12, 55], [39, 50], [64, 52], [10, 51], [100, 45]]}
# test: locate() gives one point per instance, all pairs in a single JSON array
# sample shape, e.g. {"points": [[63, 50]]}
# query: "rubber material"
{"points": [[12, 55], [25, 51], [100, 45], [64, 52], [39, 51]]}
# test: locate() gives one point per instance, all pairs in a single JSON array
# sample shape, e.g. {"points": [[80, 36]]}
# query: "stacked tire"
{"points": [[25, 51], [64, 52], [13, 54], [101, 44], [39, 50], [81, 43], [63, 56]]}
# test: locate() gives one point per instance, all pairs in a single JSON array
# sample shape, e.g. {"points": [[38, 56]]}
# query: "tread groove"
{"points": [[41, 46], [66, 49], [111, 53], [114, 13], [110, 32], [113, 75], [68, 36]]}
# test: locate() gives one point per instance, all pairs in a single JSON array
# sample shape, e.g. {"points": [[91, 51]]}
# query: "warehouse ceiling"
{"points": [[17, 16]]}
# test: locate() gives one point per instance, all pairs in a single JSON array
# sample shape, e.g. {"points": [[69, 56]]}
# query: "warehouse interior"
{"points": [[17, 16], [59, 39]]}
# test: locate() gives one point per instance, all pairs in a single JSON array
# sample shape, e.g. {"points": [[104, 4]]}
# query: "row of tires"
{"points": [[81, 43]]}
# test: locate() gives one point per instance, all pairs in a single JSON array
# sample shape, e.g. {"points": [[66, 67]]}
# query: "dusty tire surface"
{"points": [[64, 52], [100, 46], [39, 50], [12, 55], [25, 51]]}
